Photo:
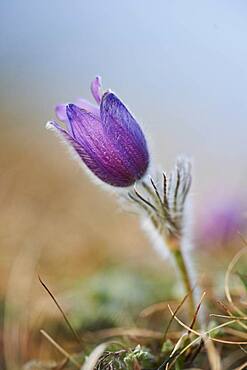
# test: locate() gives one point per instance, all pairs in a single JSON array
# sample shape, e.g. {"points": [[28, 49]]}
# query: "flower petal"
{"points": [[61, 114], [94, 148], [95, 89], [85, 154], [89, 107], [124, 133]]}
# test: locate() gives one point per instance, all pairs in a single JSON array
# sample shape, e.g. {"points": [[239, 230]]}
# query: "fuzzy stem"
{"points": [[184, 275]]}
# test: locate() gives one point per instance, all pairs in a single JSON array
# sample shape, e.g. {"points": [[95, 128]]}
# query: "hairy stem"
{"points": [[185, 278]]}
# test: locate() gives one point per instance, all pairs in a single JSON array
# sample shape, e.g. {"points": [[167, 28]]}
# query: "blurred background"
{"points": [[181, 67]]}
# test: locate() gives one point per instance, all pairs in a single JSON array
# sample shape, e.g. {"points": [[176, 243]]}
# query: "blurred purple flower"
{"points": [[221, 223], [106, 137]]}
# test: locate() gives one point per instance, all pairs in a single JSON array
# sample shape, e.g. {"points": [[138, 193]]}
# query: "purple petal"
{"points": [[85, 153], [96, 151], [95, 89], [124, 133], [222, 221], [89, 107], [61, 114]]}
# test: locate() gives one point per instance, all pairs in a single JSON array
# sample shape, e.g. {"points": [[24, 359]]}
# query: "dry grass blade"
{"points": [[60, 349], [61, 310], [227, 277], [243, 349], [236, 333], [94, 356], [224, 307], [181, 322], [209, 331], [242, 367], [227, 310], [175, 312], [150, 310], [227, 341], [182, 352], [197, 311], [215, 364], [213, 356], [177, 345], [172, 355], [174, 352], [229, 316]]}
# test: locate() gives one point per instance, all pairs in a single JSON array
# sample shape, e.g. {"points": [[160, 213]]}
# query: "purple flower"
{"points": [[106, 137], [221, 223]]}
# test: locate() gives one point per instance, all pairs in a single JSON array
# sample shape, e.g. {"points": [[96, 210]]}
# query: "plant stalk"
{"points": [[184, 275]]}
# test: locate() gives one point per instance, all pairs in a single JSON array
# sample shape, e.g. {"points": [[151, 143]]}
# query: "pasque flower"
{"points": [[110, 142], [221, 221], [106, 137]]}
